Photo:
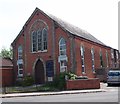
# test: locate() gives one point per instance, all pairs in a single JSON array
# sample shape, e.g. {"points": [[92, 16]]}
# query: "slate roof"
{"points": [[66, 26], [75, 30]]}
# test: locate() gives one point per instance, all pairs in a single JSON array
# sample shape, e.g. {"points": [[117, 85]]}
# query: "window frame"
{"points": [[63, 66], [107, 59], [20, 54], [101, 59], [40, 40], [63, 46], [82, 53], [63, 49], [93, 59]]}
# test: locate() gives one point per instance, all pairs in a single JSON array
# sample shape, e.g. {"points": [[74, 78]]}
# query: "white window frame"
{"points": [[101, 58], [20, 51], [117, 56], [112, 54], [20, 60], [107, 61], [44, 43], [39, 40], [62, 45], [34, 40], [62, 57], [63, 67], [82, 51], [93, 59], [20, 69]]}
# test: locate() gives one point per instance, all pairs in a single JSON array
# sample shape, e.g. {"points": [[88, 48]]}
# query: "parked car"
{"points": [[113, 77]]}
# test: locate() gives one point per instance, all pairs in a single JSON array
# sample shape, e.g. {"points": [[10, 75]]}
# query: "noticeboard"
{"points": [[49, 68]]}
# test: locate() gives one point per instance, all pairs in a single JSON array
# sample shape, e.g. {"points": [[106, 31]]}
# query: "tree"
{"points": [[6, 53]]}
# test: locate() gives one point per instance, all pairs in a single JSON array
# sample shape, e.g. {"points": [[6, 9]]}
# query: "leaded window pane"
{"points": [[62, 47], [44, 39], [39, 40], [82, 58], [39, 36], [34, 41]]}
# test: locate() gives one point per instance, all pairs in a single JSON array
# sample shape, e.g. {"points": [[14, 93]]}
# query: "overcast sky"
{"points": [[98, 17]]}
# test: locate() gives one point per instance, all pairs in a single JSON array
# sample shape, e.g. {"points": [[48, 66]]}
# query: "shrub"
{"points": [[19, 82], [28, 81], [71, 76], [49, 86], [59, 81]]}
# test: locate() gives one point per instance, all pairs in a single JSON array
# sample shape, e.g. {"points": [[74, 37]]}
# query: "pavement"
{"points": [[102, 89]]}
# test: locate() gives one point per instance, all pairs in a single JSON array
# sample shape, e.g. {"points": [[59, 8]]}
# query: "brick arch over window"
{"points": [[39, 36]]}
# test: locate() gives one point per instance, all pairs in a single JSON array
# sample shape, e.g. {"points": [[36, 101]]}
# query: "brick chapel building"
{"points": [[47, 45]]}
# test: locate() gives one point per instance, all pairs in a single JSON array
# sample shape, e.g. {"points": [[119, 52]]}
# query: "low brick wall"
{"points": [[83, 84]]}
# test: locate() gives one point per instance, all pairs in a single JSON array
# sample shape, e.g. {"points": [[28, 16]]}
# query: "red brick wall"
{"points": [[60, 33], [30, 58], [7, 76], [83, 84], [88, 60]]}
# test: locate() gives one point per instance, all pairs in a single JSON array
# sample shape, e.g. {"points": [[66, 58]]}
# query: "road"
{"points": [[111, 95]]}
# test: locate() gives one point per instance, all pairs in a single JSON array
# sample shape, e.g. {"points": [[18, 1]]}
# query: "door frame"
{"points": [[43, 66]]}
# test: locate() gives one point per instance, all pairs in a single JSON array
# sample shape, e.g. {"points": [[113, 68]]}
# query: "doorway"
{"points": [[39, 72]]}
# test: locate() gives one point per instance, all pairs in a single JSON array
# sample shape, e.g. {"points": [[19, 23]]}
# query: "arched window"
{"points": [[101, 58], [20, 51], [107, 62], [20, 61], [82, 58], [34, 41], [62, 47], [44, 34], [93, 61], [39, 40], [62, 55]]}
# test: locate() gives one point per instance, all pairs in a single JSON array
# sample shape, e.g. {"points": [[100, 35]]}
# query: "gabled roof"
{"points": [[66, 26], [75, 30], [6, 62]]}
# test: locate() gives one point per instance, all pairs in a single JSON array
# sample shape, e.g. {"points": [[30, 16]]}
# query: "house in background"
{"points": [[6, 72], [47, 45]]}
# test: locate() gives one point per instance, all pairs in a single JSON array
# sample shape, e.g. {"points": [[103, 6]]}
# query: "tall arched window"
{"points": [[93, 61], [20, 61], [39, 40], [20, 51], [62, 55], [44, 34], [62, 47], [101, 58], [107, 62], [82, 58], [34, 41]]}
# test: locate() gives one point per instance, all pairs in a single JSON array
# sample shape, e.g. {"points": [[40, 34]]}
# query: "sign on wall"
{"points": [[49, 68]]}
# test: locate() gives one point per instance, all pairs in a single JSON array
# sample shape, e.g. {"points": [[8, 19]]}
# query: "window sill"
{"points": [[83, 73], [20, 76], [40, 51], [94, 72]]}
